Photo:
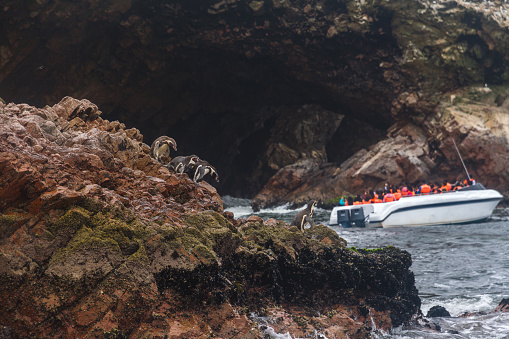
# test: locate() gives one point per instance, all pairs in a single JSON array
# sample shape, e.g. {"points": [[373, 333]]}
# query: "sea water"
{"points": [[464, 268]]}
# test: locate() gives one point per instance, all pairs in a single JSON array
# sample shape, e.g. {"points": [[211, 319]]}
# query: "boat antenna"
{"points": [[465, 167]]}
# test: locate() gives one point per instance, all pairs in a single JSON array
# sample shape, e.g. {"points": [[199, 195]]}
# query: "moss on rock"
{"points": [[8, 224]]}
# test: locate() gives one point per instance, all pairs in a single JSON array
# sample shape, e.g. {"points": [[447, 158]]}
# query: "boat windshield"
{"points": [[475, 187]]}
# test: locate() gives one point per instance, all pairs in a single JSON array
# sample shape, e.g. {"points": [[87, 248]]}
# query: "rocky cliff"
{"points": [[256, 86], [97, 239]]}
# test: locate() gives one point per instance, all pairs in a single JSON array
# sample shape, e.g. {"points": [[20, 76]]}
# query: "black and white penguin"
{"points": [[161, 147], [179, 164], [200, 169], [305, 216]]}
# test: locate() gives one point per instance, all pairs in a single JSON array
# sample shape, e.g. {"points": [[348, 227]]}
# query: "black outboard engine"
{"points": [[344, 218], [357, 218]]}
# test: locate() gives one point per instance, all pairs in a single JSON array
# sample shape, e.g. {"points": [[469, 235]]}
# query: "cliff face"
{"points": [[99, 240], [226, 78]]}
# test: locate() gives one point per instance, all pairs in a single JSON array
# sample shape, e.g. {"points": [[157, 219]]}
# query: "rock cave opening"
{"points": [[216, 89]]}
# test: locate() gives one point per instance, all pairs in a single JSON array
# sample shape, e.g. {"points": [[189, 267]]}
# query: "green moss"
{"points": [[256, 5], [209, 219], [86, 239], [188, 242], [301, 321], [204, 252], [331, 314], [320, 232], [372, 250], [8, 225], [169, 232], [140, 255], [74, 219], [333, 201], [125, 235]]}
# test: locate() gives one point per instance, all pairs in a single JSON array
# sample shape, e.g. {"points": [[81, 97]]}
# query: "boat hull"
{"points": [[435, 209]]}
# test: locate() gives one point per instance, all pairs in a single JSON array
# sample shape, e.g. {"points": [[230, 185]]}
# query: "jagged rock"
{"points": [[96, 240]]}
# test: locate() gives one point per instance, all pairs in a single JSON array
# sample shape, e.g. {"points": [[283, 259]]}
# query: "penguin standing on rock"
{"points": [[179, 164], [200, 169], [305, 216], [161, 147]]}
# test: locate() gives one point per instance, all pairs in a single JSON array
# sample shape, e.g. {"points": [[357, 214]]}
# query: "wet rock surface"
{"points": [[99, 240]]}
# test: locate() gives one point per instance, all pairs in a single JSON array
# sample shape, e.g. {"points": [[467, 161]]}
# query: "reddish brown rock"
{"points": [[97, 239]]}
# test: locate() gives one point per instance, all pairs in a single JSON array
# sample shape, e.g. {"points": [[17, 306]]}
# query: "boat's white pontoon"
{"points": [[472, 203]]}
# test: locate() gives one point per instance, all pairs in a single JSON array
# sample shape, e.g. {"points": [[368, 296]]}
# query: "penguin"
{"points": [[305, 216], [161, 147], [179, 164], [200, 169]]}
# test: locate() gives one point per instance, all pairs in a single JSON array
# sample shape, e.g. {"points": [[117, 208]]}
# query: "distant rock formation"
{"points": [[98, 239], [476, 121]]}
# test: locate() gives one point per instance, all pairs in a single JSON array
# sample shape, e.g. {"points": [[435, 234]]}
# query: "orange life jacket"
{"points": [[389, 198], [357, 203], [425, 189], [366, 202], [378, 201], [397, 195]]}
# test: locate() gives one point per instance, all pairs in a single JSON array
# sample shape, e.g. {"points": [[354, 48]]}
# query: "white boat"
{"points": [[470, 204]]}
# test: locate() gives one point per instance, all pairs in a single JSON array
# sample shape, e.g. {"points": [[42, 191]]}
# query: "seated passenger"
{"points": [[446, 186], [405, 192], [379, 196], [389, 197], [398, 194], [366, 199], [424, 189], [342, 201], [349, 201]]}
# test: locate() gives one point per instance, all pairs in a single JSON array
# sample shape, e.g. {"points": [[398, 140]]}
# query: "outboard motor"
{"points": [[357, 218], [344, 218]]}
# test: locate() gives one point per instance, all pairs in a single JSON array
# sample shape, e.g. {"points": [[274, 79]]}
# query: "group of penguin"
{"points": [[192, 165], [197, 169]]}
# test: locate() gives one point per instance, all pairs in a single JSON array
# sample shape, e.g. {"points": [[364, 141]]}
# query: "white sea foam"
{"points": [[460, 305], [241, 208]]}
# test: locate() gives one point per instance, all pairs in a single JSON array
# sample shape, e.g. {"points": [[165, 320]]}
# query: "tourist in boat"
{"points": [[372, 196], [446, 186], [366, 199], [379, 196], [397, 194], [389, 197], [349, 201], [357, 198], [342, 201], [404, 191], [424, 189], [435, 188]]}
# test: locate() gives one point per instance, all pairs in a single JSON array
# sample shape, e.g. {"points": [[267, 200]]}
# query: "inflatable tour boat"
{"points": [[470, 204]]}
